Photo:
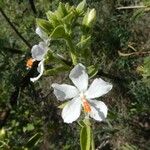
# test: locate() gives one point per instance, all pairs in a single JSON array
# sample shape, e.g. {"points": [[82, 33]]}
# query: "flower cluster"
{"points": [[38, 53], [82, 96]]}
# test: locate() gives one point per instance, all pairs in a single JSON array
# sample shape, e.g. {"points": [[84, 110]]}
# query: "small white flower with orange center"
{"points": [[82, 96], [38, 53]]}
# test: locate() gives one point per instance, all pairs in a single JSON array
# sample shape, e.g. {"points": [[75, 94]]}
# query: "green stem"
{"points": [[72, 51]]}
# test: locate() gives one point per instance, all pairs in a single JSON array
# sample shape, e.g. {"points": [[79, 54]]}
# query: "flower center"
{"points": [[86, 105], [29, 63]]}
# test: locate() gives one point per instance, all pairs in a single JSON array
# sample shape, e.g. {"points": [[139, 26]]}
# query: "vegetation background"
{"points": [[29, 117]]}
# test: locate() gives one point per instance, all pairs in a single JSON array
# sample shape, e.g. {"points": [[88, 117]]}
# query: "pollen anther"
{"points": [[86, 105], [29, 63]]}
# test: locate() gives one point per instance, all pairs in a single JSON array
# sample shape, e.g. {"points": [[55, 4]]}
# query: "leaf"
{"points": [[34, 140], [61, 11], [85, 137], [57, 70], [81, 6], [92, 70], [62, 105], [52, 17], [58, 32], [44, 24], [68, 19], [69, 8], [30, 127], [84, 42]]}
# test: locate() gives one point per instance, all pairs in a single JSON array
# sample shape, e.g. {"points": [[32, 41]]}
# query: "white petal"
{"points": [[79, 77], [40, 69], [72, 110], [64, 91], [39, 51], [98, 88], [98, 110], [41, 33]]}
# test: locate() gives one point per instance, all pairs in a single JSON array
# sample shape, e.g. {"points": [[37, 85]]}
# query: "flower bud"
{"points": [[91, 17]]}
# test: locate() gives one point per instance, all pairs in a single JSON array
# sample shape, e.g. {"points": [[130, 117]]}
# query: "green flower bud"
{"points": [[91, 17]]}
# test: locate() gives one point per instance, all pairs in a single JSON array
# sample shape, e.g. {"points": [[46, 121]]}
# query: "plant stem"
{"points": [[72, 51]]}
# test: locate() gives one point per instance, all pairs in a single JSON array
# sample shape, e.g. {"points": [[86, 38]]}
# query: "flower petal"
{"points": [[98, 110], [41, 33], [40, 69], [98, 88], [64, 91], [72, 110], [79, 77], [39, 51]]}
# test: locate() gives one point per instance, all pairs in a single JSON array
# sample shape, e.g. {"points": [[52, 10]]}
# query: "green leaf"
{"points": [[2, 133], [84, 43], [58, 32], [2, 4], [61, 11], [85, 137], [45, 25], [62, 105], [69, 8], [81, 6], [30, 127], [57, 70], [34, 140], [52, 17], [92, 70], [68, 19]]}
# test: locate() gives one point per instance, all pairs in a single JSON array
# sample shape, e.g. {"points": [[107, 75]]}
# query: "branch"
{"points": [[14, 28]]}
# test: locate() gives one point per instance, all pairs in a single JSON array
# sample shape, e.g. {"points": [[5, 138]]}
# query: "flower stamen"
{"points": [[29, 63], [86, 105]]}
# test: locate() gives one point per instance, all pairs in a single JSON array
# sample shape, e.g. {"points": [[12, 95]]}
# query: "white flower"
{"points": [[42, 35], [82, 96], [40, 69], [38, 53]]}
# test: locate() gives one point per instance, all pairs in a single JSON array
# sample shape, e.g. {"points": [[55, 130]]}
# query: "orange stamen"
{"points": [[86, 105], [29, 63]]}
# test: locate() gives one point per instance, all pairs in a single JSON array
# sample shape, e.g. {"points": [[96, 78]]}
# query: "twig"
{"points": [[14, 28], [133, 53], [131, 7]]}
